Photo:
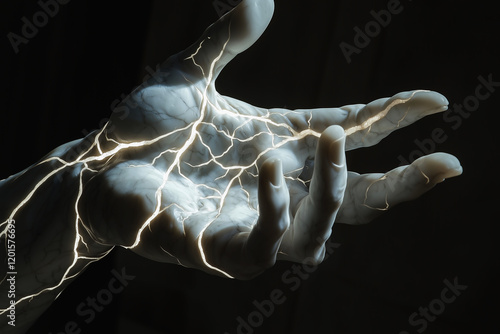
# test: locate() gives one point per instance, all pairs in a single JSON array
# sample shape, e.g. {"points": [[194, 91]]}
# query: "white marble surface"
{"points": [[191, 177]]}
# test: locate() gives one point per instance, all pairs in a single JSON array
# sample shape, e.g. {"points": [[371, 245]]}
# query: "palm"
{"points": [[214, 183]]}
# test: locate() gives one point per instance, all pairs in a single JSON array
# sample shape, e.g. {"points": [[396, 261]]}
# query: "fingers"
{"points": [[379, 118], [225, 39], [316, 213], [366, 125], [371, 194], [274, 218], [244, 254]]}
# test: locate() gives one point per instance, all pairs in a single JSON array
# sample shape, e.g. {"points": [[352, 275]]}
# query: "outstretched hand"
{"points": [[192, 177]]}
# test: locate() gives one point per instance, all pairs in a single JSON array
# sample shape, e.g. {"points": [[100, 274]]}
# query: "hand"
{"points": [[192, 177]]}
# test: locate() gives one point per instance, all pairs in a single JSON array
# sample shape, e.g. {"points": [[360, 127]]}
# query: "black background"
{"points": [[60, 86]]}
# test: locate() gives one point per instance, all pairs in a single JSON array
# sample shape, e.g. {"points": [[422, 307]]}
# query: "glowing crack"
{"points": [[367, 124], [386, 207], [276, 128]]}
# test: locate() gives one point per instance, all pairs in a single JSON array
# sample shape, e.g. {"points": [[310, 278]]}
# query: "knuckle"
{"points": [[335, 196]]}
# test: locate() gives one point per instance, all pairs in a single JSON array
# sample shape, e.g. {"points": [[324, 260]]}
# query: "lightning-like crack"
{"points": [[367, 124], [386, 207], [279, 133]]}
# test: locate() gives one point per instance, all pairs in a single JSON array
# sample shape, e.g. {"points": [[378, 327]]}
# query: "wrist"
{"points": [[51, 245]]}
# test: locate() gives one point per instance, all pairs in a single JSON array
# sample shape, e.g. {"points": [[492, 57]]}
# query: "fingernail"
{"points": [[438, 167], [432, 102], [337, 154], [453, 172]]}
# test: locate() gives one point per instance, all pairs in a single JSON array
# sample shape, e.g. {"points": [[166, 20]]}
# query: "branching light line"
{"points": [[277, 130]]}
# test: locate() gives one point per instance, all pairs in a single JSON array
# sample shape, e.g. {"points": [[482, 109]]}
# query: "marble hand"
{"points": [[213, 183], [182, 174]]}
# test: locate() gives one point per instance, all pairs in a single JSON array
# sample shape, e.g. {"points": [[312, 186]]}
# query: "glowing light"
{"points": [[383, 178], [274, 125], [194, 61], [380, 115], [427, 179]]}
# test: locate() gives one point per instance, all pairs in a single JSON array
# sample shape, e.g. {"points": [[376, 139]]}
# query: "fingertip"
{"points": [[265, 237], [334, 144], [428, 102], [232, 34], [249, 20], [434, 102], [272, 171], [329, 177], [439, 166], [334, 133], [274, 199]]}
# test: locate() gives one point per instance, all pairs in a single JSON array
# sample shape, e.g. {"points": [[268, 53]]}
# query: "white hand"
{"points": [[193, 177], [214, 183]]}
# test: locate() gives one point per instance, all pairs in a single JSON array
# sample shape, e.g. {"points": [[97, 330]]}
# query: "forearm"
{"points": [[47, 244]]}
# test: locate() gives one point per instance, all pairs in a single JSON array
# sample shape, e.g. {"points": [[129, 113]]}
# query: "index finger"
{"points": [[378, 119], [366, 125]]}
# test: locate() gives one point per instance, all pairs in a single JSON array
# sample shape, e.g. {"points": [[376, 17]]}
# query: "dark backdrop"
{"points": [[60, 85]]}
